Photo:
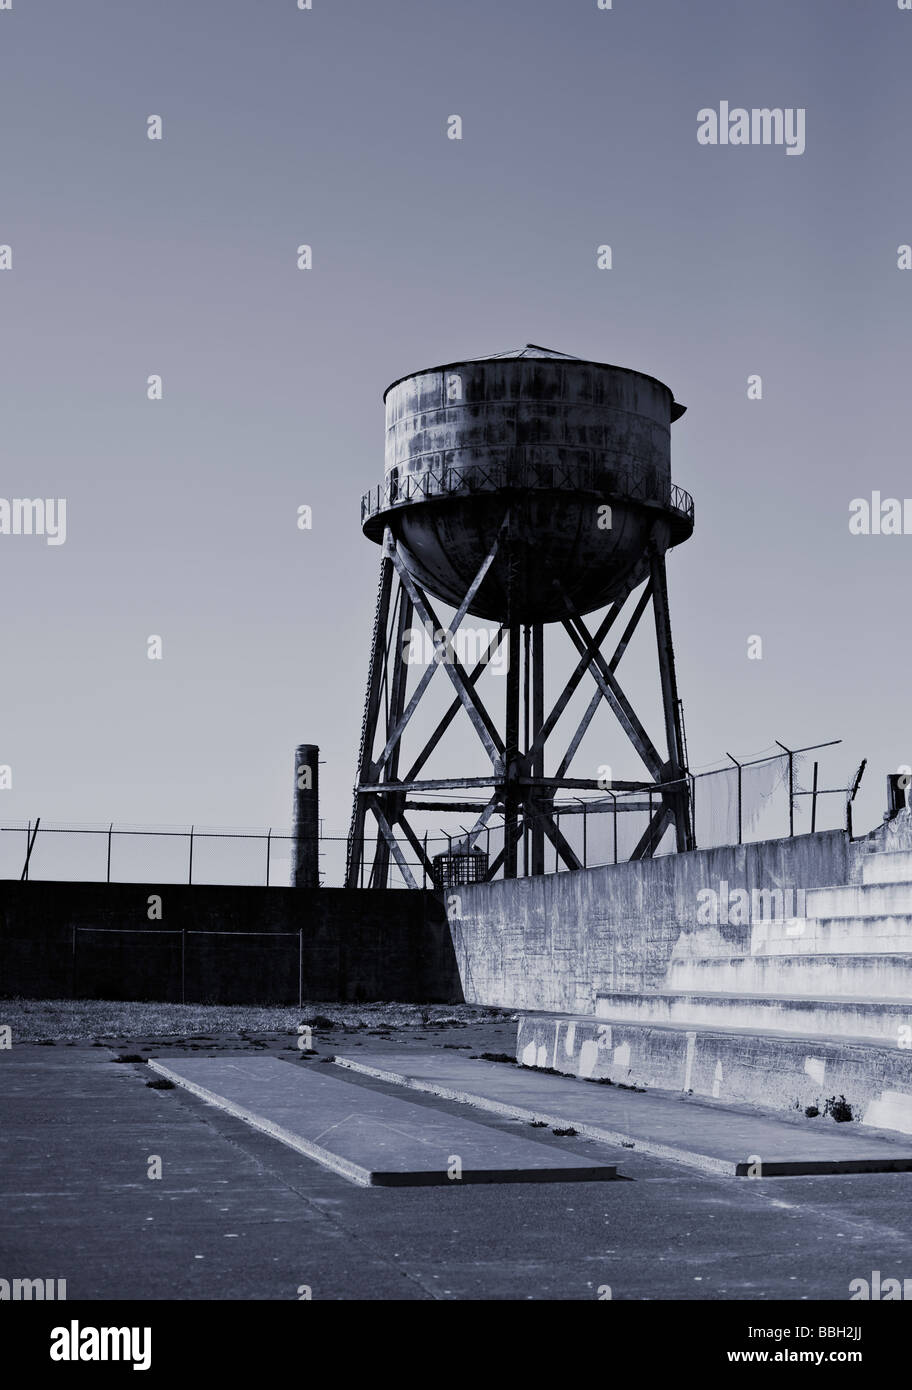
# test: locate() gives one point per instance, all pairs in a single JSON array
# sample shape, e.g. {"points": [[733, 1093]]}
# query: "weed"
{"points": [[838, 1108]]}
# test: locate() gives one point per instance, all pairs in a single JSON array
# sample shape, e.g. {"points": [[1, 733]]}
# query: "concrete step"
{"points": [[842, 974], [772, 1070], [831, 935], [859, 900], [701, 1135], [864, 1019], [369, 1137], [892, 867]]}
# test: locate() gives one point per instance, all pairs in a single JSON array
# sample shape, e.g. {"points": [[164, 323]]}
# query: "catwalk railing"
{"points": [[757, 799], [435, 479]]}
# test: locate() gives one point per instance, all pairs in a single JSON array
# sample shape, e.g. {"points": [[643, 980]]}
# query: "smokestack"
{"points": [[305, 844]]}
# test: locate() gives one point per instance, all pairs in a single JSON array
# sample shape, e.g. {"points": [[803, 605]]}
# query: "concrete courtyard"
{"points": [[236, 1215]]}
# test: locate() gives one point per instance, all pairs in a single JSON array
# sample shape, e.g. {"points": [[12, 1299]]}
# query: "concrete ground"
{"points": [[236, 1215]]}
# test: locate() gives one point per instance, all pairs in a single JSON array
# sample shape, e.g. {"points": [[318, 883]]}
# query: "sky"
{"points": [[177, 257]]}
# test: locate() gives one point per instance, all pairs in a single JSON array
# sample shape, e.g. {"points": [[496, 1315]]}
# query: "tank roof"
{"points": [[535, 352], [530, 350]]}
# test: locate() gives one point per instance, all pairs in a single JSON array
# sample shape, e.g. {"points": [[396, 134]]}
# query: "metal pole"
{"points": [[511, 752], [300, 966], [527, 740], [852, 793], [110, 832], [538, 719], [582, 805], [73, 965], [814, 800], [614, 802], [670, 699], [268, 849], [791, 787], [738, 766], [32, 837], [424, 864], [190, 869], [183, 965], [357, 838]]}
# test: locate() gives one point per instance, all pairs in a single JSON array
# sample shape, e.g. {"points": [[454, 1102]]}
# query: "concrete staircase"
{"points": [[787, 1013]]}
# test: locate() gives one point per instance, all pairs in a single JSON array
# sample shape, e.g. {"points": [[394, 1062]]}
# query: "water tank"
{"points": [[557, 441]]}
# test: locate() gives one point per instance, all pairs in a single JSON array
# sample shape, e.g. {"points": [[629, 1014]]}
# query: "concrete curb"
{"points": [[690, 1158]]}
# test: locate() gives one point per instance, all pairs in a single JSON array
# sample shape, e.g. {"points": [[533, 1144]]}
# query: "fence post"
{"points": [[110, 831], [268, 848], [614, 802], [300, 966], [814, 799], [791, 758], [190, 869], [73, 964], [32, 837], [852, 793], [738, 766], [183, 965]]}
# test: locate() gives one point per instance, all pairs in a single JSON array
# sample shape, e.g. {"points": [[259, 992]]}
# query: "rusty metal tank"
{"points": [[576, 455]]}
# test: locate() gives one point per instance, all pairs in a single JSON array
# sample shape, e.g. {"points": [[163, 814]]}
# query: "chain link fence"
{"points": [[792, 792]]}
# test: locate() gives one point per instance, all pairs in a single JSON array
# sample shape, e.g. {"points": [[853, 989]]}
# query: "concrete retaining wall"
{"points": [[355, 944], [555, 942], [777, 1072]]}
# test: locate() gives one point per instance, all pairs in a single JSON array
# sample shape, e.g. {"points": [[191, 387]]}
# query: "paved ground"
{"points": [[236, 1215]]}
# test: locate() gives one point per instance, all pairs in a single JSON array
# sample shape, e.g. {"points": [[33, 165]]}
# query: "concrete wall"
{"points": [[554, 942], [358, 944]]}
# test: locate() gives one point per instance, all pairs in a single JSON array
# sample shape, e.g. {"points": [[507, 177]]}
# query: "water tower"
{"points": [[528, 489]]}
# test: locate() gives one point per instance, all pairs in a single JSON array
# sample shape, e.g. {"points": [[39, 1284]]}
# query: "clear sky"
{"points": [[177, 257]]}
